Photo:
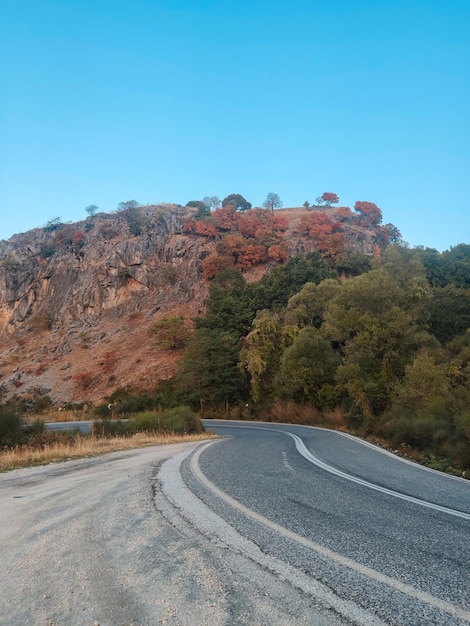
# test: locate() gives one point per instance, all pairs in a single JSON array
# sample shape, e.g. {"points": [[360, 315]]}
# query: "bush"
{"points": [[11, 429], [42, 404], [112, 428], [180, 419]]}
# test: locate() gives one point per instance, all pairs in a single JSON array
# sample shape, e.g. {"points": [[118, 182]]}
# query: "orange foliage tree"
{"points": [[369, 213], [214, 264], [326, 235]]}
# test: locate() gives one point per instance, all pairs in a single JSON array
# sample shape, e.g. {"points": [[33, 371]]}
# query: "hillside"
{"points": [[77, 300]]}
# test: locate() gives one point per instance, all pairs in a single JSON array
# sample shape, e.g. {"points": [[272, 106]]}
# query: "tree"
{"points": [[202, 209], [91, 209], [237, 201], [354, 264], [230, 306], [282, 282], [326, 234], [53, 224], [448, 312], [330, 198], [273, 201], [370, 214], [261, 352], [208, 374], [212, 202], [374, 321], [197, 204], [129, 204], [306, 367], [308, 306]]}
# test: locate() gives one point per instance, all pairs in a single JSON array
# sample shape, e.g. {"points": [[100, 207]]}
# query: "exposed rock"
{"points": [[71, 294]]}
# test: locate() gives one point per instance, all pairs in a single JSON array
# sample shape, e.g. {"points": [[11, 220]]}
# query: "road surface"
{"points": [[383, 533], [273, 525]]}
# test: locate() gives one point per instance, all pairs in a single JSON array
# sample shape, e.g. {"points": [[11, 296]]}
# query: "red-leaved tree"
{"points": [[369, 213], [330, 198]]}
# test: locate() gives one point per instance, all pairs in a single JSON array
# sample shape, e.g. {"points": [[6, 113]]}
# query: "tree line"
{"points": [[389, 348]]}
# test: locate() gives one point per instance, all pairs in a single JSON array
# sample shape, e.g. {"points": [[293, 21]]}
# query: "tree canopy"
{"points": [[237, 201], [273, 201]]}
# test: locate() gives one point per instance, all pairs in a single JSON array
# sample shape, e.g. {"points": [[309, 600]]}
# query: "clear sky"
{"points": [[105, 101]]}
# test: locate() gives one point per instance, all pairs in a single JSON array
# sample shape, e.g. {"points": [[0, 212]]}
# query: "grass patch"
{"points": [[80, 446]]}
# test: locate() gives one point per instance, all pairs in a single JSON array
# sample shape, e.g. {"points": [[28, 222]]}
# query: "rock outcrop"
{"points": [[77, 300]]}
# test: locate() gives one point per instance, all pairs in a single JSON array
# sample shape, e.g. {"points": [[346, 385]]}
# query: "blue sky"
{"points": [[169, 101]]}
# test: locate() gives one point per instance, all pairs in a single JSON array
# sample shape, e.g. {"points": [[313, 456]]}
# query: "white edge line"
{"points": [[303, 451], [410, 591]]}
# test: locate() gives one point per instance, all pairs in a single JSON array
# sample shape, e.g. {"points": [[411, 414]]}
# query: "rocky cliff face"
{"points": [[77, 300]]}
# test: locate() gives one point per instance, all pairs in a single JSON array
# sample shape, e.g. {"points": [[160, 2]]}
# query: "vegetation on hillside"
{"points": [[376, 345], [389, 348]]}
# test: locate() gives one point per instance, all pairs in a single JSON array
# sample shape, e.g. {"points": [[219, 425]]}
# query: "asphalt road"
{"points": [[382, 533], [273, 525]]}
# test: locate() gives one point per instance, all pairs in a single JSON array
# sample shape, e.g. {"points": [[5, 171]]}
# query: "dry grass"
{"points": [[52, 415], [304, 414], [87, 446]]}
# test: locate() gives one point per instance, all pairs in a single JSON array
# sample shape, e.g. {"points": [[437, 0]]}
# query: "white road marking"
{"points": [[303, 450], [410, 591], [285, 462]]}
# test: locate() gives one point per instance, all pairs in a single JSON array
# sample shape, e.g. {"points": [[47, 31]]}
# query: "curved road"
{"points": [[271, 525], [380, 532]]}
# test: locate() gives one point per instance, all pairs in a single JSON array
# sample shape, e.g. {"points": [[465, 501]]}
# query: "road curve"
{"points": [[384, 534], [96, 541]]}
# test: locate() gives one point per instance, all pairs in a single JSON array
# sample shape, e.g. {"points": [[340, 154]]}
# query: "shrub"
{"points": [[171, 332], [112, 428], [180, 419], [11, 428], [42, 404], [83, 380]]}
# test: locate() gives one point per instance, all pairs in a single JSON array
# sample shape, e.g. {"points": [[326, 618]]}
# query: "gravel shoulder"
{"points": [[84, 543]]}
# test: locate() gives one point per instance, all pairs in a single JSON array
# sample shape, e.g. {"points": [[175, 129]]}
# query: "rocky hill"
{"points": [[77, 300]]}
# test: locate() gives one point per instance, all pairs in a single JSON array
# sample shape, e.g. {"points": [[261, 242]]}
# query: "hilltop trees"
{"points": [[329, 198], [273, 201], [370, 214], [128, 204], [237, 201], [91, 210], [212, 202]]}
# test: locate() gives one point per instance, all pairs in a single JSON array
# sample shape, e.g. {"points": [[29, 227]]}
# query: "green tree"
{"points": [[354, 265], [237, 201], [53, 224], [308, 306], [261, 352], [202, 209], [374, 323], [230, 305], [208, 375], [128, 204], [306, 368], [275, 288], [448, 312]]}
